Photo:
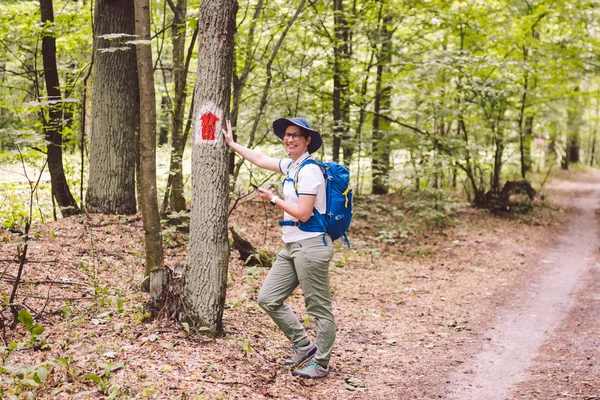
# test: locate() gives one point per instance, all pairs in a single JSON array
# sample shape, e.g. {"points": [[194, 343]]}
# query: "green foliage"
{"points": [[462, 76], [435, 208], [26, 180], [22, 100], [246, 346], [103, 380], [22, 379], [17, 380], [32, 327]]}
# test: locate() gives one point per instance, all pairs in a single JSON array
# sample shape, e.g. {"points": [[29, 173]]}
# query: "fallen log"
{"points": [[248, 253]]}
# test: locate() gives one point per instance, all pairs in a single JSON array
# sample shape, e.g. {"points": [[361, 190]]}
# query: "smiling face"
{"points": [[295, 142]]}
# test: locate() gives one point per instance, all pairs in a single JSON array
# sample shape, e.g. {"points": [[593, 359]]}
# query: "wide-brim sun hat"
{"points": [[280, 124]]}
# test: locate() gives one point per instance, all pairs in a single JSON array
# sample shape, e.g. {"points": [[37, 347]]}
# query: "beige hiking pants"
{"points": [[304, 263]]}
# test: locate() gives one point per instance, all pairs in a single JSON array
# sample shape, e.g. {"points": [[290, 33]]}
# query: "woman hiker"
{"points": [[305, 258]]}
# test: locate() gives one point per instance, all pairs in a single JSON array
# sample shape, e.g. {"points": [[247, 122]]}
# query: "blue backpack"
{"points": [[338, 211]]}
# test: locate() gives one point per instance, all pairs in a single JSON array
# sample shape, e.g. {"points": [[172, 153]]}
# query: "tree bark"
{"points": [[115, 112], [381, 126], [177, 200], [177, 167], [573, 129], [341, 106], [361, 118], [53, 127], [527, 142], [239, 82], [498, 145], [265, 93], [526, 121], [164, 120], [592, 160], [148, 194], [205, 276]]}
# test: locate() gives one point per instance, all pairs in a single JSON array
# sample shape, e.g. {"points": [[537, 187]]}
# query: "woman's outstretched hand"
{"points": [[228, 134]]}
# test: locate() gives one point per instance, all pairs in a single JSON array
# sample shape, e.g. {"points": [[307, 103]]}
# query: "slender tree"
{"points": [[53, 127], [205, 276], [239, 80], [381, 126], [341, 67], [264, 99], [178, 30], [529, 85], [148, 193], [115, 109], [574, 116]]}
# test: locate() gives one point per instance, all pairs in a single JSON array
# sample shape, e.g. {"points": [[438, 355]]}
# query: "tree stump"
{"points": [[165, 294]]}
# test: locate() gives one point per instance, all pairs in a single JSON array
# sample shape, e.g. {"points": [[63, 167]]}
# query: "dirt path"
{"points": [[523, 327]]}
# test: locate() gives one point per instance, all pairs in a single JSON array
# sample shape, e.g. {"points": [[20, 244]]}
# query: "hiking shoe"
{"points": [[301, 354], [312, 371]]}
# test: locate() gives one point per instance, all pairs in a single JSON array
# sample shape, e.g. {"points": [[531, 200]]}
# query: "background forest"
{"points": [[426, 95]]}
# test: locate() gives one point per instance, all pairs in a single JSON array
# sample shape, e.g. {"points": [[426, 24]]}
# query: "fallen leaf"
{"points": [[354, 382]]}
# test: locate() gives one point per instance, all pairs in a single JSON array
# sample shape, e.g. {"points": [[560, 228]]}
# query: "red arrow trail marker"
{"points": [[209, 125], [207, 128]]}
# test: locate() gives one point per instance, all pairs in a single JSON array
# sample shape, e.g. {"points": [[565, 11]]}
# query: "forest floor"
{"points": [[467, 306]]}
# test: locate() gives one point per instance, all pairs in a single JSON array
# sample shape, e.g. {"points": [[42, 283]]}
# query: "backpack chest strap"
{"points": [[315, 223]]}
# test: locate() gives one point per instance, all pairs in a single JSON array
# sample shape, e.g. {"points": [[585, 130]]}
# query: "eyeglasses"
{"points": [[292, 136]]}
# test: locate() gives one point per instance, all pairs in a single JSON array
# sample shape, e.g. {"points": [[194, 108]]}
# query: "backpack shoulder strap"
{"points": [[287, 176], [308, 161]]}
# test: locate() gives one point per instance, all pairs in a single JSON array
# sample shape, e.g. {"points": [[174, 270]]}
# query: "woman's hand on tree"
{"points": [[228, 134]]}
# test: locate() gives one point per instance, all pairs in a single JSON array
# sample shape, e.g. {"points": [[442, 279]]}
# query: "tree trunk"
{"points": [[468, 166], [184, 131], [341, 106], [527, 142], [498, 145], [595, 132], [53, 128], [526, 122], [361, 118], [264, 99], [148, 194], [164, 118], [115, 110], [239, 82], [205, 276], [593, 150], [177, 199], [381, 126], [573, 126]]}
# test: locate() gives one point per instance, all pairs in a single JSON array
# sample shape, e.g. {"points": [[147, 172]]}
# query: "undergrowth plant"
{"points": [[18, 379], [103, 380], [435, 208], [34, 329]]}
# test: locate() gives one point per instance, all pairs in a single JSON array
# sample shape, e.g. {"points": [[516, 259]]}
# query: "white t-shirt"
{"points": [[310, 182]]}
